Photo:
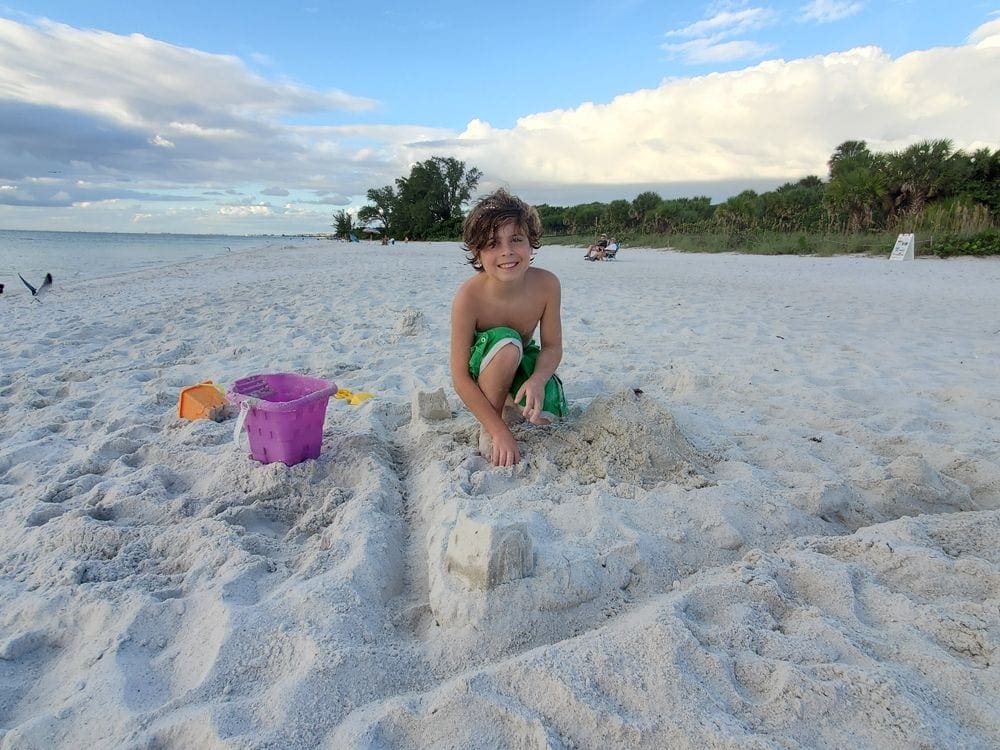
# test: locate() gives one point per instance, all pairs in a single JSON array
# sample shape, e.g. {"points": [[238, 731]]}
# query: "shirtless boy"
{"points": [[493, 317]]}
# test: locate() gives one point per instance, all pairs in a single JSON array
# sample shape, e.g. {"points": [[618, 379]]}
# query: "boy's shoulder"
{"points": [[542, 275], [469, 285]]}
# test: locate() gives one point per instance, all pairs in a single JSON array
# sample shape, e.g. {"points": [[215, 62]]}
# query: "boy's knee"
{"points": [[507, 357]]}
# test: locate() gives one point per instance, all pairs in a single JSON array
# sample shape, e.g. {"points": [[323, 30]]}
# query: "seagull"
{"points": [[36, 293]]}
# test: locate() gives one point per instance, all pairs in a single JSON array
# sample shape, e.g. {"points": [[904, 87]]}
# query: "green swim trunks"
{"points": [[489, 342]]}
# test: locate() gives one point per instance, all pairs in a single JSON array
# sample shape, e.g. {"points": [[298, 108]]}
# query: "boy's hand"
{"points": [[533, 394], [504, 451]]}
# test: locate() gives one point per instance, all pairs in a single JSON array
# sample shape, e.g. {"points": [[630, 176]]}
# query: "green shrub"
{"points": [[979, 244], [788, 243]]}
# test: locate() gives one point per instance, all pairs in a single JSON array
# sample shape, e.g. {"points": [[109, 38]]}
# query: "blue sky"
{"points": [[246, 118]]}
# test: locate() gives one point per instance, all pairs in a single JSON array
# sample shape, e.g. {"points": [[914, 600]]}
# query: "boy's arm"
{"points": [[550, 332], [550, 335], [463, 331]]}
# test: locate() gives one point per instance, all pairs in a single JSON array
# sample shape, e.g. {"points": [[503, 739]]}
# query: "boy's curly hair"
{"points": [[492, 212]]}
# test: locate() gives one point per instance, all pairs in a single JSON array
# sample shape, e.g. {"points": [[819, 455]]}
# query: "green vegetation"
{"points": [[427, 205], [981, 243], [343, 224], [758, 243], [948, 198]]}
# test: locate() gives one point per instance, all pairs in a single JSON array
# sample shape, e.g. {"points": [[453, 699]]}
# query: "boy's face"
{"points": [[508, 253]]}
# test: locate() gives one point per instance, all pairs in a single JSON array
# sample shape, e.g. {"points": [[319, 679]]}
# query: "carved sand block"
{"points": [[487, 552], [431, 405]]}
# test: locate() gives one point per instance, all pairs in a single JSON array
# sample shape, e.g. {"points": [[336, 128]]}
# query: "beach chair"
{"points": [[611, 250]]}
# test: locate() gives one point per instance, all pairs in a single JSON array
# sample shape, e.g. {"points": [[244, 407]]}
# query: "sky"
{"points": [[267, 118]]}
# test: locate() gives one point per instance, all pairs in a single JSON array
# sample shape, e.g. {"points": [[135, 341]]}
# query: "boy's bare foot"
{"points": [[485, 444]]}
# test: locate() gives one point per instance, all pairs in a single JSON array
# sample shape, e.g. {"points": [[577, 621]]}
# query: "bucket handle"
{"points": [[241, 418]]}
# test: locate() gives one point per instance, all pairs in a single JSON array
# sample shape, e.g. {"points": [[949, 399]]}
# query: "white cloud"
{"points": [[111, 105], [107, 110], [987, 35], [727, 23], [135, 80], [698, 51], [710, 40], [825, 11], [777, 120], [243, 211]]}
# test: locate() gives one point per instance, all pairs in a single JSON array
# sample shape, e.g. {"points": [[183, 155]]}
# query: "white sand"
{"points": [[788, 538]]}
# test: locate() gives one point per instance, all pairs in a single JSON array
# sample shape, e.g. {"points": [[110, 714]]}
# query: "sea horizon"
{"points": [[74, 255], [171, 234]]}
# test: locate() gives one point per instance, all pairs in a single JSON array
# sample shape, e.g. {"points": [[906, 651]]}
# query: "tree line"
{"points": [[927, 187]]}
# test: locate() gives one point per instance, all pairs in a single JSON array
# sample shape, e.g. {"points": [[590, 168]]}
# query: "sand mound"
{"points": [[630, 437]]}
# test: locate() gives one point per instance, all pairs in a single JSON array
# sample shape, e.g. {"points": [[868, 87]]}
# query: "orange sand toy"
{"points": [[203, 401]]}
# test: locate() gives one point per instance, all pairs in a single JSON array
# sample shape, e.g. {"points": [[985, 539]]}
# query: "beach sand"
{"points": [[771, 520]]}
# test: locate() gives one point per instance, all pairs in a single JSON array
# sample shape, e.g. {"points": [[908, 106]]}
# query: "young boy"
{"points": [[493, 317]]}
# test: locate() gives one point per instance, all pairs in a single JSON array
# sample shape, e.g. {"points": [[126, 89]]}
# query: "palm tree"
{"points": [[853, 198], [918, 175], [643, 206], [856, 188], [343, 224]]}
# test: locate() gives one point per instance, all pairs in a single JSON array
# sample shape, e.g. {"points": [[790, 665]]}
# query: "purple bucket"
{"points": [[284, 415]]}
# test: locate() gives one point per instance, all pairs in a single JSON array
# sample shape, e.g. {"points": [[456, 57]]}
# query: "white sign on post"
{"points": [[904, 248]]}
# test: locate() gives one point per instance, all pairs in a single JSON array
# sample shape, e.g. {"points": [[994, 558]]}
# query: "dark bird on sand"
{"points": [[36, 293]]}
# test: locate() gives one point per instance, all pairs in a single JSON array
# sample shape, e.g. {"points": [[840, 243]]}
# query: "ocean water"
{"points": [[76, 256]]}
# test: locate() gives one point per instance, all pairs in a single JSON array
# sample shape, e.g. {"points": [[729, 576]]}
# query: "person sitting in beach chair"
{"points": [[608, 252], [611, 250], [597, 248]]}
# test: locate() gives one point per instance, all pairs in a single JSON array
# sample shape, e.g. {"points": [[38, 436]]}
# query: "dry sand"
{"points": [[772, 519]]}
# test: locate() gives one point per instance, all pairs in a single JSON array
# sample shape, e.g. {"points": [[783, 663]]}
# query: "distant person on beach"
{"points": [[600, 252], [597, 247], [493, 317]]}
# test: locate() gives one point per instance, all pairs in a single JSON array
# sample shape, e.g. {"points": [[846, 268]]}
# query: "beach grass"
{"points": [[760, 242], [754, 243]]}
